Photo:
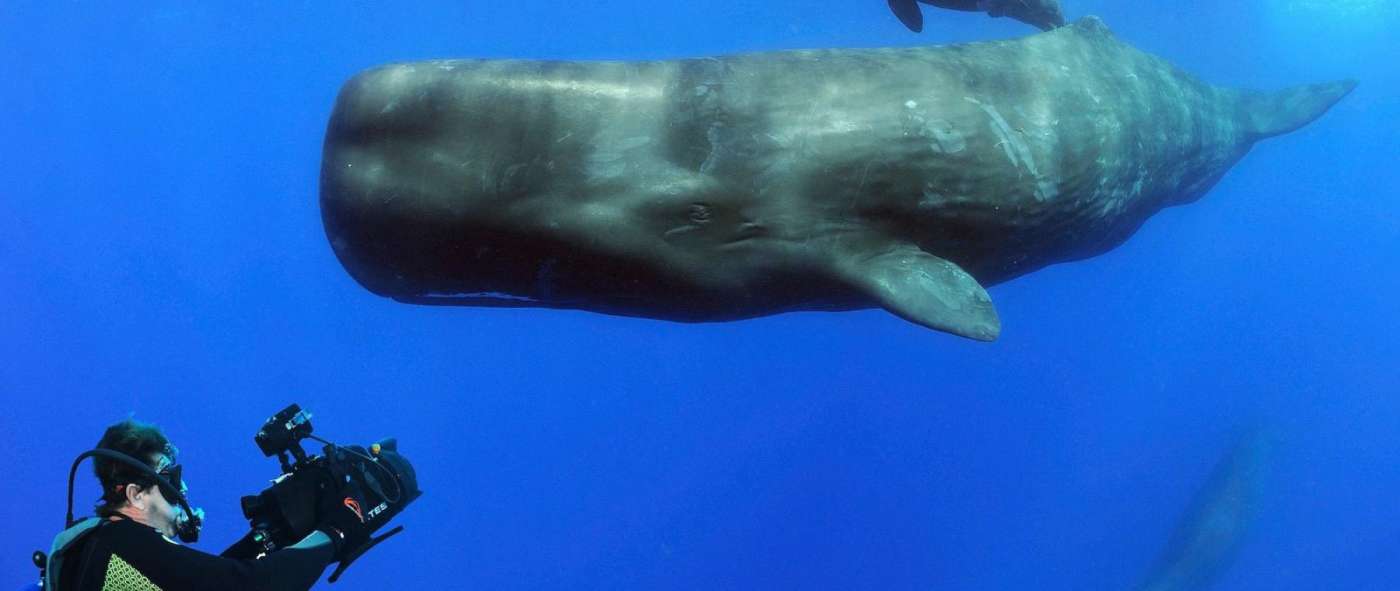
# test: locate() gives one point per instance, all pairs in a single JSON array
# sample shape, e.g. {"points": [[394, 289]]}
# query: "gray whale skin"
{"points": [[734, 187]]}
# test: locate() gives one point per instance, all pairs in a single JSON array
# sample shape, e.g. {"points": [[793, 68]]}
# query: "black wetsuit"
{"points": [[124, 555]]}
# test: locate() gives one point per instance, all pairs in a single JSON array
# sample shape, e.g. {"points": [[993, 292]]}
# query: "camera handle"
{"points": [[344, 564]]}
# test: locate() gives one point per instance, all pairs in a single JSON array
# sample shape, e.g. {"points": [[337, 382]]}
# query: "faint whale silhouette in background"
{"points": [[726, 188], [1207, 540], [1044, 14]]}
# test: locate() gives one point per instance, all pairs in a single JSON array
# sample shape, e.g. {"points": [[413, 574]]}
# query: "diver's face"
{"points": [[161, 513]]}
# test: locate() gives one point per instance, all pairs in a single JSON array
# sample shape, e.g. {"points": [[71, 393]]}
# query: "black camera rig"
{"points": [[287, 511]]}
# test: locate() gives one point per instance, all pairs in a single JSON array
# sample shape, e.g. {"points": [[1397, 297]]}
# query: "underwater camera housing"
{"points": [[285, 512]]}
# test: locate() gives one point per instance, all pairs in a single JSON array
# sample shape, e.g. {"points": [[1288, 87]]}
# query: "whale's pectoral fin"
{"points": [[926, 290], [909, 13]]}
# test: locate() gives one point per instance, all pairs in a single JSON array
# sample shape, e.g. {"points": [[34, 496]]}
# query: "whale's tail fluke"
{"points": [[1275, 113]]}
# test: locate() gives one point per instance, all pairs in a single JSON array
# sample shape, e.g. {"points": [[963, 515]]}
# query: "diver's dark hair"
{"points": [[142, 441]]}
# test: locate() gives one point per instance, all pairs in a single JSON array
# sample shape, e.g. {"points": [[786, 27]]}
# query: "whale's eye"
{"points": [[700, 213]]}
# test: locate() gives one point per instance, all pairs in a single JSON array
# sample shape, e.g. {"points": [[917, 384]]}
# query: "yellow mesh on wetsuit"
{"points": [[124, 577]]}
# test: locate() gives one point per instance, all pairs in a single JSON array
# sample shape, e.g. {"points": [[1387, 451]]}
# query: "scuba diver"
{"points": [[131, 542]]}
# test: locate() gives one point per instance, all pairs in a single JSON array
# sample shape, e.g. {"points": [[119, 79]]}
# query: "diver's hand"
{"points": [[364, 502], [342, 518]]}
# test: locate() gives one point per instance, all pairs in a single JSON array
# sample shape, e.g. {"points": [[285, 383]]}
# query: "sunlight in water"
{"points": [[1349, 21], [1339, 9]]}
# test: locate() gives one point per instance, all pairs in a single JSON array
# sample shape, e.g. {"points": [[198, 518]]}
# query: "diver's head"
{"points": [[130, 492]]}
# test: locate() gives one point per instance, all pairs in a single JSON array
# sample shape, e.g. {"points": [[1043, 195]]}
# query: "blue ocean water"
{"points": [[162, 256]]}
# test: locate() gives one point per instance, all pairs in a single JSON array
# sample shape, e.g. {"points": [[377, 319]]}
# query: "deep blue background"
{"points": [[161, 254]]}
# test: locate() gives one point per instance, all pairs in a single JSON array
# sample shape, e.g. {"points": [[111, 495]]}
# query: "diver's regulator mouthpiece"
{"points": [[188, 523]]}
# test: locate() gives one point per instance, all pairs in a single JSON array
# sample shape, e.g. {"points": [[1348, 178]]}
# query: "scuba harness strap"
{"points": [[64, 541]]}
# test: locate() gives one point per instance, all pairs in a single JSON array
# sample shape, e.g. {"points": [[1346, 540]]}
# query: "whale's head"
{"points": [[509, 183]]}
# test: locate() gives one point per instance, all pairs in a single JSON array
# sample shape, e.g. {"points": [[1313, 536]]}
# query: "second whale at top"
{"points": [[1044, 14], [740, 186]]}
